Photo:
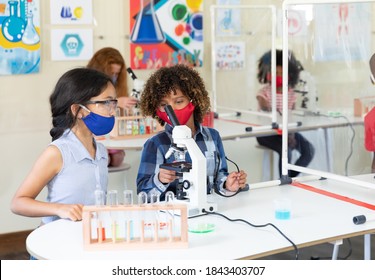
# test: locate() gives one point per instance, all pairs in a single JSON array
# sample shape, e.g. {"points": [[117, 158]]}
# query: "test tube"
{"points": [[128, 197], [128, 201], [169, 199], [142, 200], [99, 201], [148, 125], [112, 200], [135, 130], [99, 197], [142, 129], [155, 199]]}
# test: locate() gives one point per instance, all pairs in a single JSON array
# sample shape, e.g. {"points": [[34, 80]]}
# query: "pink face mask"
{"points": [[182, 115]]}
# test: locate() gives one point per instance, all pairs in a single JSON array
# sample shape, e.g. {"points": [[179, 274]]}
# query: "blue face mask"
{"points": [[98, 125], [114, 79]]}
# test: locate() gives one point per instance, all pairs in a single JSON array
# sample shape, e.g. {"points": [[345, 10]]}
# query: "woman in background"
{"points": [[110, 61]]}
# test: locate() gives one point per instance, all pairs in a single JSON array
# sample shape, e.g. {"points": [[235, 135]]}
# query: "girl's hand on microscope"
{"points": [[235, 181], [167, 176]]}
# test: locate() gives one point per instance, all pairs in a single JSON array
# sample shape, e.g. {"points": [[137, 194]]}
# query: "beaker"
{"points": [[147, 29]]}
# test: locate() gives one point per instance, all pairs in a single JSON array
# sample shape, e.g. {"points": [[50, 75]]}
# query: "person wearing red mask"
{"points": [[264, 97], [183, 89]]}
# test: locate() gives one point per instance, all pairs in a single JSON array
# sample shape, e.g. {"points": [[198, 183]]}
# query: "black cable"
{"points": [[345, 257], [351, 142], [238, 169], [258, 226], [346, 165], [216, 187]]}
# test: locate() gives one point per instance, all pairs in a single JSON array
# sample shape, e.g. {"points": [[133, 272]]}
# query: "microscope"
{"points": [[309, 98], [192, 186], [137, 87]]}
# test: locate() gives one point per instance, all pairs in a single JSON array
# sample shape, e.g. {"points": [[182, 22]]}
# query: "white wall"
{"points": [[25, 113]]}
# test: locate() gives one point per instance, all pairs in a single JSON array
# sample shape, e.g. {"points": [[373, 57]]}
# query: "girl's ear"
{"points": [[75, 108]]}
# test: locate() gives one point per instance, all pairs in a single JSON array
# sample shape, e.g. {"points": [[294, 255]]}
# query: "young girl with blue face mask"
{"points": [[74, 165], [183, 89], [110, 61]]}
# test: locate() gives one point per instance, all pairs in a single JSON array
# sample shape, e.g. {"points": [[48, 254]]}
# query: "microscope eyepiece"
{"points": [[171, 115]]}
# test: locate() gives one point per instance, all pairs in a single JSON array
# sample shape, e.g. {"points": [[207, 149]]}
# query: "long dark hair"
{"points": [[294, 67], [77, 86]]}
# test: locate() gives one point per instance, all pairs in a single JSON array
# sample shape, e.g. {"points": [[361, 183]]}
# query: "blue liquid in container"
{"points": [[282, 214]]}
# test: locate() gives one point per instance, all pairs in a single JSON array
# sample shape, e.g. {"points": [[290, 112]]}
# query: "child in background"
{"points": [[264, 97], [369, 120], [74, 165], [183, 89], [110, 61]]}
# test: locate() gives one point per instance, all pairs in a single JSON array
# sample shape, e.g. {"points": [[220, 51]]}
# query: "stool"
{"points": [[121, 168], [268, 170]]}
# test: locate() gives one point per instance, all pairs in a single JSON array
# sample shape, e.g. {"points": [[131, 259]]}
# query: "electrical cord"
{"points": [[258, 226], [351, 142], [342, 258], [346, 167], [216, 187]]}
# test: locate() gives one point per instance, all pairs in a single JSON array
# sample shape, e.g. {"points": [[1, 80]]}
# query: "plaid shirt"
{"points": [[153, 154]]}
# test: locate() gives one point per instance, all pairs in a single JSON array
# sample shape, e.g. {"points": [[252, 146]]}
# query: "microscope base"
{"points": [[194, 211]]}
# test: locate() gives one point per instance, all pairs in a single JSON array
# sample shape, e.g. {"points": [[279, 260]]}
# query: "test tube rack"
{"points": [[137, 126], [135, 233]]}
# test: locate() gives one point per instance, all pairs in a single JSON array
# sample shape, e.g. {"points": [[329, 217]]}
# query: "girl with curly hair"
{"points": [[181, 87]]}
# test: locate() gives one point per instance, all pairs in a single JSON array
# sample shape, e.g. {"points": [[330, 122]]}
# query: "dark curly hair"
{"points": [[169, 79], [264, 67]]}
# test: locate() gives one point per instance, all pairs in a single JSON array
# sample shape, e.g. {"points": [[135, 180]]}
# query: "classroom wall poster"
{"points": [[71, 44], [228, 21], [19, 37], [342, 32], [71, 11], [230, 56], [165, 33], [297, 23]]}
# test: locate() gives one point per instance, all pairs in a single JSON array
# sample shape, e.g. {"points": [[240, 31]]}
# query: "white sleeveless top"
{"points": [[80, 174]]}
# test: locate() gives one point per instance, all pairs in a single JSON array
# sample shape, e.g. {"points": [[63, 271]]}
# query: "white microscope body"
{"points": [[196, 178]]}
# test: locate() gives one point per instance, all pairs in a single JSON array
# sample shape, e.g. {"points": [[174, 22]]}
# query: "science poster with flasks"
{"points": [[165, 33], [19, 37]]}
